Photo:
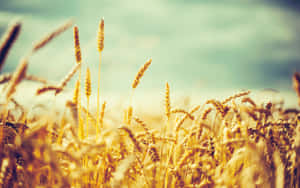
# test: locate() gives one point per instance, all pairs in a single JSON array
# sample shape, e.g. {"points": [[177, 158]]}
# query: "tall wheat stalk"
{"points": [[78, 60], [135, 83], [100, 49]]}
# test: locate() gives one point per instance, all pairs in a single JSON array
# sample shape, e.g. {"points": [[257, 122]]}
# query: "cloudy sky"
{"points": [[196, 45]]}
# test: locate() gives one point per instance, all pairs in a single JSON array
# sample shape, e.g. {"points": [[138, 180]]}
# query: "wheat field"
{"points": [[235, 142]]}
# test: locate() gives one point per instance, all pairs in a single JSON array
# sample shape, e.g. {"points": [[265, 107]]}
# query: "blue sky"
{"points": [[195, 45]]}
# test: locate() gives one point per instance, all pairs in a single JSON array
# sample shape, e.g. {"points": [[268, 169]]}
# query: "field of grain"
{"points": [[235, 142]]}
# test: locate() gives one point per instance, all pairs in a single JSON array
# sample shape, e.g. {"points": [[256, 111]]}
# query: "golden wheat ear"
{"points": [[76, 93], [88, 88], [8, 40], [140, 74], [101, 36], [167, 101], [77, 45], [102, 114]]}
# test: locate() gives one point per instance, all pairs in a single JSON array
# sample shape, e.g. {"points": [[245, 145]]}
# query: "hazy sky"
{"points": [[195, 44]]}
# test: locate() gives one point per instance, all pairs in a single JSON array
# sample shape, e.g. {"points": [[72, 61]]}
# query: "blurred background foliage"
{"points": [[197, 45]]}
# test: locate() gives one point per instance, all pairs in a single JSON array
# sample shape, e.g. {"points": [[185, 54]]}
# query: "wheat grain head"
{"points": [[140, 74], [101, 36], [8, 40]]}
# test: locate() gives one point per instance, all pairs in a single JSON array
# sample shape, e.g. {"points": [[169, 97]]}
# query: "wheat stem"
{"points": [[98, 99], [88, 92]]}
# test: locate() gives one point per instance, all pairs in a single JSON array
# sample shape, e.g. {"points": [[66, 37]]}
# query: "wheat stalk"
{"points": [[188, 155], [88, 91], [91, 117], [78, 61], [129, 115], [67, 78], [121, 171], [218, 105], [205, 113], [180, 122], [44, 89], [7, 77], [17, 77], [230, 98], [49, 37], [249, 100], [237, 114], [31, 77], [8, 40], [132, 137], [102, 114], [142, 124], [76, 93], [165, 129], [59, 88], [153, 153], [182, 111], [100, 49], [74, 110], [152, 149]]}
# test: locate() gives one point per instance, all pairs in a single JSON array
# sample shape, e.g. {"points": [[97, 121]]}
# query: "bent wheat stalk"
{"points": [[59, 88], [64, 82], [49, 37], [44, 89], [132, 137], [7, 77], [230, 98], [17, 77], [182, 111], [180, 122]]}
